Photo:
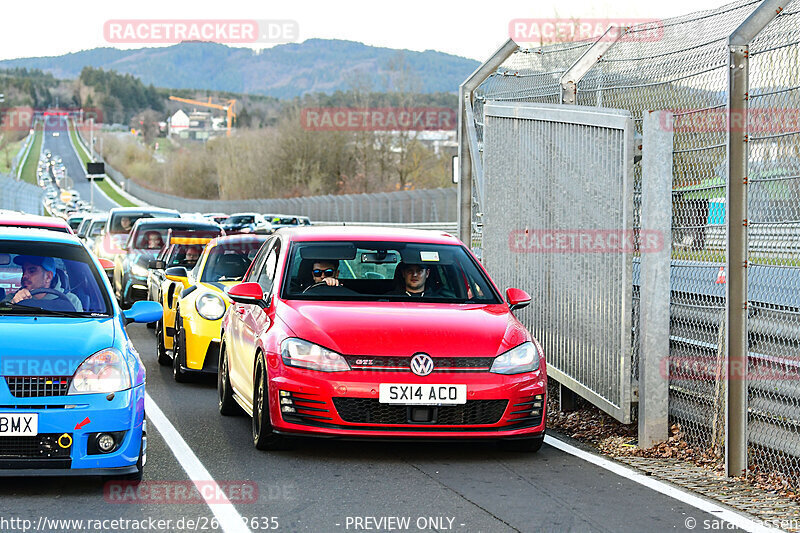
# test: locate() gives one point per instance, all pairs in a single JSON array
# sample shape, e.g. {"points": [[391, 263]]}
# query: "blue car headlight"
{"points": [[523, 358], [104, 371]]}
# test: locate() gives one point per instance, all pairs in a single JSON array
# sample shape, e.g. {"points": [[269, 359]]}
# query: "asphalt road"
{"points": [[62, 147], [328, 485]]}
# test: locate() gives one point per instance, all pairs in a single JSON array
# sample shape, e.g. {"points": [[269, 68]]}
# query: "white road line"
{"points": [[688, 498], [229, 518]]}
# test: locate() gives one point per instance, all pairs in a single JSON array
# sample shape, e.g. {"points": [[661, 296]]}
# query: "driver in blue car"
{"points": [[39, 273]]}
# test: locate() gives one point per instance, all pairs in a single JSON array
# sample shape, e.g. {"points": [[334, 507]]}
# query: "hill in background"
{"points": [[284, 71]]}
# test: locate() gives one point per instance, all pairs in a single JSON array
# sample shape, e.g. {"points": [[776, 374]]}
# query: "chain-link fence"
{"points": [[774, 238], [20, 196], [686, 70]]}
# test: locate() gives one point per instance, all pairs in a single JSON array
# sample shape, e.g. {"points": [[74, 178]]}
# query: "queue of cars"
{"points": [[59, 199], [311, 331]]}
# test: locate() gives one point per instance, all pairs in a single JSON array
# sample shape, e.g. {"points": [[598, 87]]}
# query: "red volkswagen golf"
{"points": [[361, 332]]}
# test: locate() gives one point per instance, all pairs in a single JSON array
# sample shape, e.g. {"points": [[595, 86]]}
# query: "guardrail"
{"points": [[420, 205], [768, 240], [696, 315], [18, 163], [449, 227], [20, 196]]}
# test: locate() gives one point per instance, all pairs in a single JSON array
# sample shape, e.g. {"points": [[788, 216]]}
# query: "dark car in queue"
{"points": [[75, 220], [145, 241], [252, 223], [119, 225]]}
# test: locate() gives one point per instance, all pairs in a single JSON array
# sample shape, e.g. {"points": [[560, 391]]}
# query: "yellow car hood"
{"points": [[219, 287]]}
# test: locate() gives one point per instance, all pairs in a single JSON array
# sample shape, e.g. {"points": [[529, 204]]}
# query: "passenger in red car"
{"points": [[414, 280]]}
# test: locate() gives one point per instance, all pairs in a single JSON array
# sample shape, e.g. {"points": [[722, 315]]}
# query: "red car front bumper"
{"points": [[346, 404]]}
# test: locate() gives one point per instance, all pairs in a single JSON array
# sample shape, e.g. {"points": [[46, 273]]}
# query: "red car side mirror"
{"points": [[246, 293], [517, 298]]}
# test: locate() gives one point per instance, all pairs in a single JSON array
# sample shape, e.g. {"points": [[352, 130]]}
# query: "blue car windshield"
{"points": [[52, 278]]}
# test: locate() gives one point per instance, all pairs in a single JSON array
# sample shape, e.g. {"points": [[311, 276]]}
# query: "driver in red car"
{"points": [[326, 272], [39, 273]]}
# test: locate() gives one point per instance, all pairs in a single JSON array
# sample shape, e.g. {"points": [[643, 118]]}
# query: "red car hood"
{"points": [[402, 329]]}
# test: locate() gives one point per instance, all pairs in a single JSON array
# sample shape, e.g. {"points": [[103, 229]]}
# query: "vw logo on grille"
{"points": [[421, 364]]}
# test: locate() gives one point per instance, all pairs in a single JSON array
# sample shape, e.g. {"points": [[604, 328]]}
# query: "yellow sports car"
{"points": [[199, 306], [183, 248]]}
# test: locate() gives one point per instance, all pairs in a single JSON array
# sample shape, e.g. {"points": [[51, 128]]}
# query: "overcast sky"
{"points": [[467, 28]]}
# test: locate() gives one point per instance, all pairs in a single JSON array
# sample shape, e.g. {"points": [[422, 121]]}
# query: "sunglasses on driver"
{"points": [[318, 272]]}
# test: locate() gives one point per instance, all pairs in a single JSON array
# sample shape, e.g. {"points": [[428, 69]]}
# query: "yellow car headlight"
{"points": [[210, 306]]}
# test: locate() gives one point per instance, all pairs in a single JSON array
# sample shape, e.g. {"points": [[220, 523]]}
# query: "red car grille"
{"points": [[371, 411], [403, 364], [38, 386], [42, 446]]}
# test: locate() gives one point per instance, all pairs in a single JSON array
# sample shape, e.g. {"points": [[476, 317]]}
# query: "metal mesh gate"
{"points": [[560, 200]]}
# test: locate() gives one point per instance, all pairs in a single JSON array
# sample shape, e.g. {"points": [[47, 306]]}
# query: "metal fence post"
{"points": [[569, 80], [655, 278], [466, 129], [736, 229]]}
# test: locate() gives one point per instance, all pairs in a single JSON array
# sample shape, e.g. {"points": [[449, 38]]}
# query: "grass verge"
{"points": [[32, 161], [9, 152], [103, 185]]}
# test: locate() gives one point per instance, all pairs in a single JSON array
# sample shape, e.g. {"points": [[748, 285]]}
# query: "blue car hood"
{"points": [[51, 346]]}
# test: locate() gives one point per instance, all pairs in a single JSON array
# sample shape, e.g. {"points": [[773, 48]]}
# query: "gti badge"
{"points": [[421, 364]]}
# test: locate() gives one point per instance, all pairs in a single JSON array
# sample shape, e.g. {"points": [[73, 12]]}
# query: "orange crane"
{"points": [[227, 107]]}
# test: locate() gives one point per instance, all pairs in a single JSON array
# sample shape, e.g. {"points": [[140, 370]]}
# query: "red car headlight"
{"points": [[304, 354], [523, 358]]}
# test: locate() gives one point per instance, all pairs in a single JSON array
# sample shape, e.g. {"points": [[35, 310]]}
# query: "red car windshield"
{"points": [[386, 271]]}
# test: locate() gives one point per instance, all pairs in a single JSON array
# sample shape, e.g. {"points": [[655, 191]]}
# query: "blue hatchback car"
{"points": [[72, 383]]}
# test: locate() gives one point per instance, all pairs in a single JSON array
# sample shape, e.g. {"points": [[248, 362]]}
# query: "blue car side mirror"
{"points": [[143, 312]]}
